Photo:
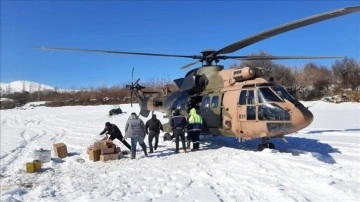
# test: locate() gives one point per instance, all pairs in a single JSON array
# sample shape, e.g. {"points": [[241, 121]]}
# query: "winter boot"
{"points": [[183, 145], [151, 149], [133, 154], [143, 146], [184, 148]]}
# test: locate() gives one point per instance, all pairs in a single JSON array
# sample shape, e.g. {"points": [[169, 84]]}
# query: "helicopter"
{"points": [[236, 102]]}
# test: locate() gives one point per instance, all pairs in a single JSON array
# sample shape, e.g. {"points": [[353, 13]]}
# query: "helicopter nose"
{"points": [[302, 117]]}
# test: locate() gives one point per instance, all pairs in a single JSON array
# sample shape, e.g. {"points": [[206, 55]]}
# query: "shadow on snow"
{"points": [[335, 130], [295, 146]]}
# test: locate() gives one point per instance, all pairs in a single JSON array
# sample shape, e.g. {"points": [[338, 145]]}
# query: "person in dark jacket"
{"points": [[114, 132], [153, 127], [178, 124], [135, 130], [194, 128]]}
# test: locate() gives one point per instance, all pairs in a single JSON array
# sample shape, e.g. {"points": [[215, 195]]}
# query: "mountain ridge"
{"points": [[21, 86]]}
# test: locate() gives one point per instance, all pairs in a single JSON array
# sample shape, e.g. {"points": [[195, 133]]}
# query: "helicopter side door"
{"points": [[211, 110], [246, 110]]}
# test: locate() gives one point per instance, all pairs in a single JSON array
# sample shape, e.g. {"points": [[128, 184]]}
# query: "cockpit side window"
{"points": [[251, 97], [247, 97], [242, 98]]}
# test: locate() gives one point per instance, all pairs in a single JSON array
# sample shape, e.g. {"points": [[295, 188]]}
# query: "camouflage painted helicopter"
{"points": [[232, 102]]}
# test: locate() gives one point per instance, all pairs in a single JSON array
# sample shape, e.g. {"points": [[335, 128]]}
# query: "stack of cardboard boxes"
{"points": [[103, 151]]}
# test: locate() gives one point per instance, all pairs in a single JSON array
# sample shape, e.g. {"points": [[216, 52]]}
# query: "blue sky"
{"points": [[175, 27]]}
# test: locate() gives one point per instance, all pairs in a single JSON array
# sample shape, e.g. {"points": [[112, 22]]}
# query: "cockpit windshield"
{"points": [[265, 94]]}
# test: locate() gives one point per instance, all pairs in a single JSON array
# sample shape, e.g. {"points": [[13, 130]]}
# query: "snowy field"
{"points": [[319, 163]]}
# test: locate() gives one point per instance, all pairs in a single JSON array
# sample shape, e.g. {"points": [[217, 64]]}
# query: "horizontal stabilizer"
{"points": [[144, 113]]}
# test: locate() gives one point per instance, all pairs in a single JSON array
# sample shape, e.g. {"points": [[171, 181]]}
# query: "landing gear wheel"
{"points": [[261, 147], [269, 145], [167, 137]]}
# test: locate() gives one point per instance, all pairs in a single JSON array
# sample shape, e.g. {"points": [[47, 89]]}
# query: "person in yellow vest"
{"points": [[194, 128]]}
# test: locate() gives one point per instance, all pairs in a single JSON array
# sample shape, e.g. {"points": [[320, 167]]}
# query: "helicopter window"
{"points": [[251, 97], [267, 95], [278, 127], [272, 112], [250, 111], [179, 104], [206, 102], [242, 99], [215, 102]]}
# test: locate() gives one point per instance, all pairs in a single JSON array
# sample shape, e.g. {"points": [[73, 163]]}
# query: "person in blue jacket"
{"points": [[178, 124]]}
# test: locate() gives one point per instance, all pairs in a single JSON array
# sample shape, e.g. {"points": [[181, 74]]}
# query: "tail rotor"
{"points": [[134, 87]]}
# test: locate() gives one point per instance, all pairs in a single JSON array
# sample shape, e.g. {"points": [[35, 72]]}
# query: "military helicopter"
{"points": [[232, 102]]}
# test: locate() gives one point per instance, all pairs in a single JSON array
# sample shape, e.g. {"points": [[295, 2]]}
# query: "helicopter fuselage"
{"points": [[233, 102]]}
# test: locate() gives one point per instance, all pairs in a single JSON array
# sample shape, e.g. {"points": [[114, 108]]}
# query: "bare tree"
{"points": [[266, 64], [347, 72], [282, 75]]}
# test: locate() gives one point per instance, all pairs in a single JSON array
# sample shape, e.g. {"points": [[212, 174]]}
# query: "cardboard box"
{"points": [[94, 155], [99, 145], [107, 151], [60, 150], [111, 145], [108, 157]]}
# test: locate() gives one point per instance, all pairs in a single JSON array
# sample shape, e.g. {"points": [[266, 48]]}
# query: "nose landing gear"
{"points": [[265, 143]]}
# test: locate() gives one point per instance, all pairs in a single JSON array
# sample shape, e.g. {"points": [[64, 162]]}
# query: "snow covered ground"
{"points": [[319, 163]]}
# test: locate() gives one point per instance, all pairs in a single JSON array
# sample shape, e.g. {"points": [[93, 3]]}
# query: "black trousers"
{"points": [[194, 136], [124, 142], [152, 135], [179, 133]]}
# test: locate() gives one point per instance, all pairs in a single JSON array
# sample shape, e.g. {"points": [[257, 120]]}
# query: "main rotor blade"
{"points": [[118, 52], [279, 57], [285, 28], [189, 65]]}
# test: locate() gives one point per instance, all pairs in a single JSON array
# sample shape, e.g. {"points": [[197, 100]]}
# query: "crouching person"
{"points": [[178, 123], [135, 129], [114, 132]]}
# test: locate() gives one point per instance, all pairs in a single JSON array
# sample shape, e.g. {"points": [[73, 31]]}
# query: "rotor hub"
{"points": [[209, 56]]}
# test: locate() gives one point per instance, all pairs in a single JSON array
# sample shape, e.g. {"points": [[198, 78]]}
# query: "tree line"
{"points": [[312, 81], [116, 94]]}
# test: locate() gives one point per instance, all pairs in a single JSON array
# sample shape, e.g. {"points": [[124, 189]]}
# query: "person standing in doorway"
{"points": [[153, 127]]}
